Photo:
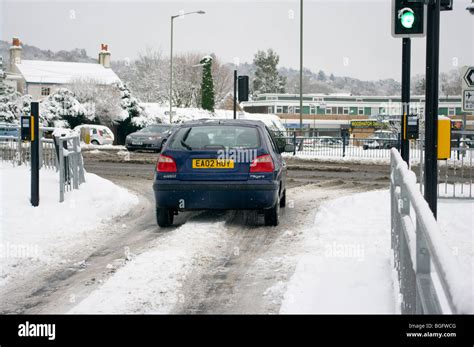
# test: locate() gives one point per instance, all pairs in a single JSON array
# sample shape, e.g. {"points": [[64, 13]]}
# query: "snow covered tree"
{"points": [[267, 78], [12, 104], [207, 85], [102, 103], [61, 109], [321, 76], [137, 117], [451, 83]]}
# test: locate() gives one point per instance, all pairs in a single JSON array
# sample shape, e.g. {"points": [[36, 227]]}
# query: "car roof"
{"points": [[223, 122]]}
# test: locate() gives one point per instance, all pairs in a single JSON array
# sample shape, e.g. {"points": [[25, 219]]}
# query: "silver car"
{"points": [[150, 138]]}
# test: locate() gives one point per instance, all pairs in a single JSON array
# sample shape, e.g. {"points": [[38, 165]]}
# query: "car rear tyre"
{"points": [[95, 142], [164, 217], [283, 199], [272, 215]]}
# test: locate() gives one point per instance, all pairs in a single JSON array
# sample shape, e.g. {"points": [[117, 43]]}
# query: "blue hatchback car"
{"points": [[221, 165]]}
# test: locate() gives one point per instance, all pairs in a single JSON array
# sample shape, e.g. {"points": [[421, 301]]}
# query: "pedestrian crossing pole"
{"points": [[431, 121], [35, 142], [406, 62]]}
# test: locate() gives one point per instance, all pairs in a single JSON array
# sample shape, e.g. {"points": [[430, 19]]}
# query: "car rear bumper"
{"points": [[145, 145], [215, 195]]}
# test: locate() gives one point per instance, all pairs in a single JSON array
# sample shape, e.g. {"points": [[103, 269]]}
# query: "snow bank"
{"points": [[151, 282], [346, 267], [31, 236]]}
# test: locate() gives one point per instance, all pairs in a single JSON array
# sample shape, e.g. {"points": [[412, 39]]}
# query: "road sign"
{"points": [[468, 88], [468, 77], [468, 100]]}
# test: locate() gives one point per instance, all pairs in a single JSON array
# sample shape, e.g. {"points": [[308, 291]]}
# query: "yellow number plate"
{"points": [[213, 164]]}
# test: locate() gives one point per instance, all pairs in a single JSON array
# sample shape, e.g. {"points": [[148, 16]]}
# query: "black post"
{"points": [[344, 137], [294, 142], [406, 61], [235, 94], [431, 107], [34, 153]]}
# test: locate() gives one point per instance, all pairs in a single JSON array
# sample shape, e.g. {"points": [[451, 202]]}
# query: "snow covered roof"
{"points": [[59, 72]]}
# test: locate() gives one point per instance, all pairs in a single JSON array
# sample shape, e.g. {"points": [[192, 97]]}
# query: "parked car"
{"points": [[221, 165], [150, 138], [8, 129], [381, 139], [99, 134]]}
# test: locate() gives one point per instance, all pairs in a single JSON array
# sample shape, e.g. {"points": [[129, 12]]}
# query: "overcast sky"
{"points": [[351, 37]]}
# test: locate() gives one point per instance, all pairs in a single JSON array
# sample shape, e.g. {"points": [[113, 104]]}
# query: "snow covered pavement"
{"points": [[34, 237], [345, 267]]}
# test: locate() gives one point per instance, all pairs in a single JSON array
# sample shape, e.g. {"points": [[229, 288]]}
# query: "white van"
{"points": [[99, 134]]}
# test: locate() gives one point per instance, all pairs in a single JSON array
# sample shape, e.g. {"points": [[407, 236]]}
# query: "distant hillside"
{"points": [[321, 82], [34, 53]]}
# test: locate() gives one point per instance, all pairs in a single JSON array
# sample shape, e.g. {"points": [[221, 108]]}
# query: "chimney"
{"points": [[15, 54], [104, 55]]}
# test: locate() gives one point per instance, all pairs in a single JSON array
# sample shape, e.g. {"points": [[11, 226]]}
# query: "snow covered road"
{"points": [[216, 262]]}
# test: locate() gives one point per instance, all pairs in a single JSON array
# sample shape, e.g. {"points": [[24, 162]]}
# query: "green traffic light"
{"points": [[407, 18]]}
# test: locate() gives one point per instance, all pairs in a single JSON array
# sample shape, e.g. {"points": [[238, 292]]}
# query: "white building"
{"points": [[41, 78]]}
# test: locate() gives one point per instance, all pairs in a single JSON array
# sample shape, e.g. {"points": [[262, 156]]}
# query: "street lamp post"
{"points": [[171, 58]]}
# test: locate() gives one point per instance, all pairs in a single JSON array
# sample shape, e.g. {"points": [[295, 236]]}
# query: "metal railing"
{"points": [[417, 244], [17, 152], [456, 174], [71, 165]]}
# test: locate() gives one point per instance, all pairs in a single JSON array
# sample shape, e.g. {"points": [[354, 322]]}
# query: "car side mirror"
{"points": [[289, 147]]}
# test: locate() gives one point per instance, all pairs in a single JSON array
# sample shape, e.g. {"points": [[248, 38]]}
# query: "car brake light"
{"points": [[165, 164], [263, 163]]}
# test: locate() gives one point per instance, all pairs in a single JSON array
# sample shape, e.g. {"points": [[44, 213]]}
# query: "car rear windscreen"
{"points": [[215, 137], [155, 129]]}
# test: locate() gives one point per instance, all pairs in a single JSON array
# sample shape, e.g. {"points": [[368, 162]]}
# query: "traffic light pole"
{"points": [[406, 61], [431, 107], [35, 140], [235, 94]]}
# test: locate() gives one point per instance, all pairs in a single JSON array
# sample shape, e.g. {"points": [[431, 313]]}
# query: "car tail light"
{"points": [[165, 164], [263, 163]]}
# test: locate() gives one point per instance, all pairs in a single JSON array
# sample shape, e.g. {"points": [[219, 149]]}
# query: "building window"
{"points": [[328, 110], [279, 109], [360, 111], [297, 109], [312, 110], [318, 99], [270, 109], [45, 91], [272, 97], [345, 110], [451, 111]]}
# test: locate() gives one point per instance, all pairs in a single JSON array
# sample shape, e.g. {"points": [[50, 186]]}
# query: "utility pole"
{"points": [[171, 71], [235, 94], [406, 61], [301, 65], [431, 107], [181, 15]]}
